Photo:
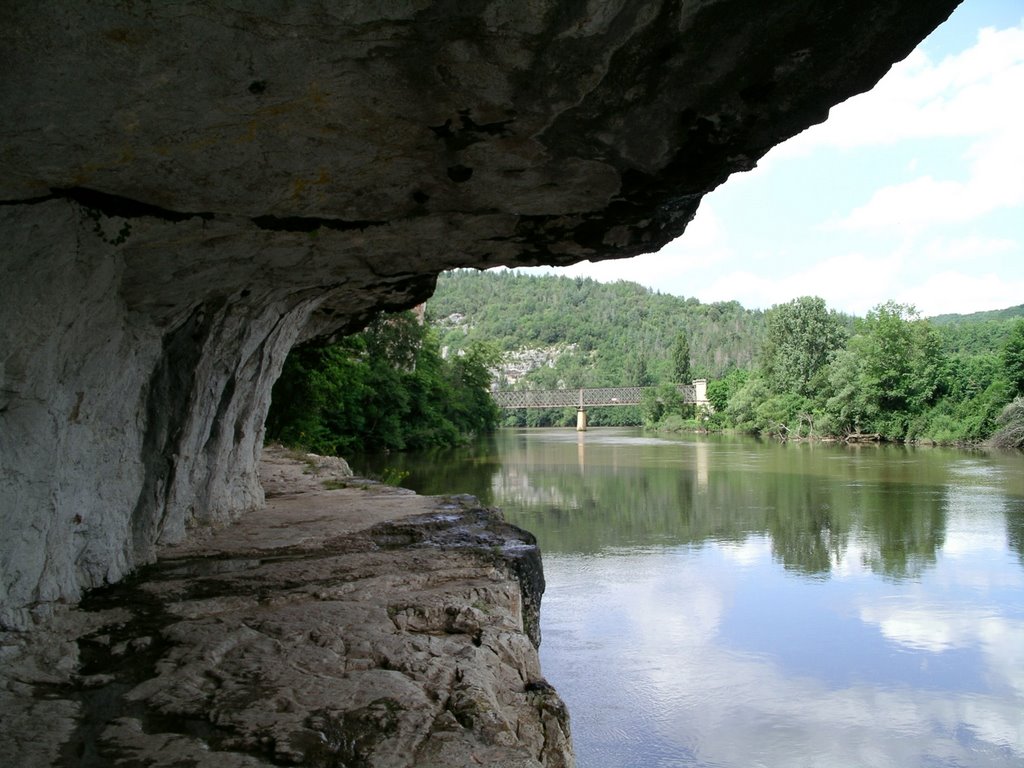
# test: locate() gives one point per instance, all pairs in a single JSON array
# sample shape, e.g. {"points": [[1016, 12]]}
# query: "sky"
{"points": [[912, 192]]}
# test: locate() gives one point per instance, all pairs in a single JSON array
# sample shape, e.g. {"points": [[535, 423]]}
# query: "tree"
{"points": [[469, 402], [888, 374], [681, 373], [637, 373], [801, 338], [1013, 358], [317, 402], [903, 356], [744, 402], [720, 393], [605, 322], [853, 405], [387, 388], [653, 408]]}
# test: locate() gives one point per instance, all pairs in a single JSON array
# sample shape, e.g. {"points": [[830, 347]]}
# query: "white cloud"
{"points": [[968, 249], [728, 707], [968, 542], [752, 551], [851, 563], [910, 207], [924, 628], [704, 243], [850, 283], [996, 181], [974, 95]]}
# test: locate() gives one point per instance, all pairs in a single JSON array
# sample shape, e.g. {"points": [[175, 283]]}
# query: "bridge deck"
{"points": [[582, 398]]}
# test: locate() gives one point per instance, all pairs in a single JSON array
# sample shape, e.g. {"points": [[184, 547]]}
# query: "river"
{"points": [[720, 601]]}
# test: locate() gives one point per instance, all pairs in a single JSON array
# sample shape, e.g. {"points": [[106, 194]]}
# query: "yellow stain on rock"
{"points": [[302, 186]]}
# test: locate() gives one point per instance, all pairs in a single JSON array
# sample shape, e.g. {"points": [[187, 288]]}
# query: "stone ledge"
{"points": [[302, 635]]}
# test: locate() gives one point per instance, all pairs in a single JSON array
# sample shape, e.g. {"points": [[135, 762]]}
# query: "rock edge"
{"points": [[408, 641]]}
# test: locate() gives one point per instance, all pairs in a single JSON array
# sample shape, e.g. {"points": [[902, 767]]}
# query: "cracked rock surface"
{"points": [[188, 189], [306, 637]]}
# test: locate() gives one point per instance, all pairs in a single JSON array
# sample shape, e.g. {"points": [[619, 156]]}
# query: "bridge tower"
{"points": [[581, 416]]}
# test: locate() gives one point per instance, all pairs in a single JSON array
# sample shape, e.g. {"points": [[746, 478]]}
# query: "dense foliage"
{"points": [[893, 379], [386, 388], [594, 335], [620, 331], [798, 369], [800, 339]]}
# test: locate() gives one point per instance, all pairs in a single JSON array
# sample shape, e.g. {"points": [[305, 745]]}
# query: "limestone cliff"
{"points": [[187, 189]]}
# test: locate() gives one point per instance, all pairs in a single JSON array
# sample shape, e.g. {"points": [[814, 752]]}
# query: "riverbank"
{"points": [[346, 623]]}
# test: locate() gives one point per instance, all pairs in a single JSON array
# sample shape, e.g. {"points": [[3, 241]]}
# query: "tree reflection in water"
{"points": [[723, 601]]}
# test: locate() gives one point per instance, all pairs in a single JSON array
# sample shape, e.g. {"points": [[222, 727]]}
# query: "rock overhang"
{"points": [[189, 189], [546, 124]]}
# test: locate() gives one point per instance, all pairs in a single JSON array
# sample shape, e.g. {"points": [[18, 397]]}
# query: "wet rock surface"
{"points": [[412, 641]]}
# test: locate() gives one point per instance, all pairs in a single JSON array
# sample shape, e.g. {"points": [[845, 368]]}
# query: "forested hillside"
{"points": [[797, 369], [979, 332], [596, 334], [1010, 313]]}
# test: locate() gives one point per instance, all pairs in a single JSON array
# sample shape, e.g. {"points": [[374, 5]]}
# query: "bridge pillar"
{"points": [[581, 420], [700, 391]]}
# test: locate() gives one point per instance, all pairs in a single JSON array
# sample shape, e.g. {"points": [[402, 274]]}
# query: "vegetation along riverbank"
{"points": [[798, 370]]}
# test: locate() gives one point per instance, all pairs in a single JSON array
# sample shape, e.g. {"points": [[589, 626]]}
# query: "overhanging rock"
{"points": [[190, 188]]}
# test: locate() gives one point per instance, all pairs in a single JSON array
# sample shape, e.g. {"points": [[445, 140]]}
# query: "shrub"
{"points": [[1010, 434]]}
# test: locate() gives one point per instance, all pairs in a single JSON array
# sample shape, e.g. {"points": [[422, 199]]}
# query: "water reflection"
{"points": [[611, 490], [721, 602]]}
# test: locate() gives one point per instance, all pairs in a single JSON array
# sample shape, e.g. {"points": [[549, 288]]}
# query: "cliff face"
{"points": [[189, 189]]}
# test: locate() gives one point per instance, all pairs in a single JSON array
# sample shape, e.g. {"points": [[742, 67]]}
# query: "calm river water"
{"points": [[718, 601]]}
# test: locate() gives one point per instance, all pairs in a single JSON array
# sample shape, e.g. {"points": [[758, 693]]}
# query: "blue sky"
{"points": [[912, 192]]}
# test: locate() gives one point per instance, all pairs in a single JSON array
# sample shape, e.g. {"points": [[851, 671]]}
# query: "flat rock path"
{"points": [[347, 623]]}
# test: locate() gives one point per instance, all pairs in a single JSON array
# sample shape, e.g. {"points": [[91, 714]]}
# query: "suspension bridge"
{"points": [[592, 397]]}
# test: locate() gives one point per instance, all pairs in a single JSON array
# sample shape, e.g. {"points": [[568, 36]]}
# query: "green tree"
{"points": [[637, 372], [605, 323], [801, 338], [317, 402], [887, 375], [743, 405], [946, 379], [468, 401], [681, 373], [1013, 358], [852, 406], [653, 408], [720, 391], [387, 388]]}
